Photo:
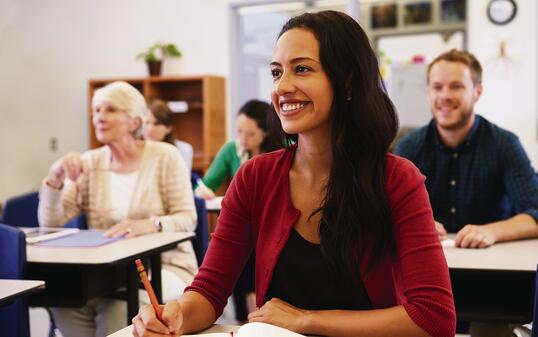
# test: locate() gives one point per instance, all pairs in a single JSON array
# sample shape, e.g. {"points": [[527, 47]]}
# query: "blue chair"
{"points": [[21, 211], [535, 314], [200, 243], [14, 318], [194, 179]]}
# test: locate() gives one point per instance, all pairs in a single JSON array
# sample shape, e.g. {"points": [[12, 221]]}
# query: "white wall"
{"points": [[510, 87], [49, 50]]}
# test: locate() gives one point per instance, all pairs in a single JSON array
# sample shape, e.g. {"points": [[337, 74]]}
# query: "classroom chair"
{"points": [[200, 242], [14, 318], [21, 211]]}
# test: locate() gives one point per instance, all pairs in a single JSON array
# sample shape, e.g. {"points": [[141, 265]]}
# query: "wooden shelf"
{"points": [[203, 125]]}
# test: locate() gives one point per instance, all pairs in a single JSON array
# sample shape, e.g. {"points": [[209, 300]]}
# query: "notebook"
{"points": [[83, 238], [39, 234], [254, 330], [214, 204]]}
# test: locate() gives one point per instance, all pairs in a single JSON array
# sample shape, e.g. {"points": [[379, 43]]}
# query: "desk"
{"points": [[12, 289], [495, 283], [76, 275], [127, 331]]}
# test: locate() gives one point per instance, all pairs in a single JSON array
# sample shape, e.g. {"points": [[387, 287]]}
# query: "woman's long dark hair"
{"points": [[356, 217], [263, 114]]}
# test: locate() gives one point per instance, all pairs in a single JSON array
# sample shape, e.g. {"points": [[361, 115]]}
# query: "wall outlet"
{"points": [[53, 144]]}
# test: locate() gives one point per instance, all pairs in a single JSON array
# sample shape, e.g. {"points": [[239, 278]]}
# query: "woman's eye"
{"points": [[275, 73], [302, 69]]}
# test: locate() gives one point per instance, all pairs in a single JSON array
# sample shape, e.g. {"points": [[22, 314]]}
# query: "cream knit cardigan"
{"points": [[162, 189]]}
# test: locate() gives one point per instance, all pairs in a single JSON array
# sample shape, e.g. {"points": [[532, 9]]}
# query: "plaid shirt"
{"points": [[487, 178]]}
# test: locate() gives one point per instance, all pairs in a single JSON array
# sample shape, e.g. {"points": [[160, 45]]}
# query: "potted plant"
{"points": [[155, 55]]}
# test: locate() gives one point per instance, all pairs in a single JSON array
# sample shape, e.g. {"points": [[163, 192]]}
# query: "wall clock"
{"points": [[501, 12]]}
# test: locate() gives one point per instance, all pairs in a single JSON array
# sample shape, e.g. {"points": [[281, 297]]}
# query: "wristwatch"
{"points": [[157, 223]]}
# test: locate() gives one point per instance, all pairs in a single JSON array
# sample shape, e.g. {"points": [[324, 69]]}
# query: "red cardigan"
{"points": [[257, 213]]}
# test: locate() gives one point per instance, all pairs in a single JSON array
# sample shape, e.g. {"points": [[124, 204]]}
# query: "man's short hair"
{"points": [[464, 57]]}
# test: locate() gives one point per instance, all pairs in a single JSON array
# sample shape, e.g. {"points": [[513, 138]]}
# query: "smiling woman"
{"points": [[302, 91], [343, 233]]}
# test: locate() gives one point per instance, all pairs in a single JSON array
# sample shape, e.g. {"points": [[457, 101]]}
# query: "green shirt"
{"points": [[225, 165]]}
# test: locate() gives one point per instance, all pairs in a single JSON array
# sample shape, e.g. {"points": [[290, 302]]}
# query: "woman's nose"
{"points": [[284, 85]]}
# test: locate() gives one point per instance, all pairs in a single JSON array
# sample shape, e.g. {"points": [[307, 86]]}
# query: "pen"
{"points": [[149, 289]]}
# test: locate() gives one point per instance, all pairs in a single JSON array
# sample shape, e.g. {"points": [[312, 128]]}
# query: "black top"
{"points": [[302, 278], [487, 178]]}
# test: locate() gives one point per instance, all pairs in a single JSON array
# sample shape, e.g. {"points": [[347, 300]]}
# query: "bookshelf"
{"points": [[203, 125]]}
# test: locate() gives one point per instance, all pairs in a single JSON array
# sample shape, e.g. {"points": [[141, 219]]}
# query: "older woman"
{"points": [[127, 187]]}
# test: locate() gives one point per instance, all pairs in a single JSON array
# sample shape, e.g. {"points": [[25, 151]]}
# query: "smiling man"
{"points": [[479, 178]]}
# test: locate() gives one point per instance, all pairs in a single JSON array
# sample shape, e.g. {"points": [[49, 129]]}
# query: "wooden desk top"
{"points": [[110, 253], [12, 289], [519, 255]]}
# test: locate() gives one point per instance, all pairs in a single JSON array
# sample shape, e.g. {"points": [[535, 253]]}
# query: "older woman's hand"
{"points": [[70, 165], [130, 228]]}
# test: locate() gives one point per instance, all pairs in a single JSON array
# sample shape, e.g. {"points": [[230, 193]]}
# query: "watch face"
{"points": [[501, 12]]}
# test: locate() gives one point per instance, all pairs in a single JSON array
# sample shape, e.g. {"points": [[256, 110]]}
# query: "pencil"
{"points": [[149, 289]]}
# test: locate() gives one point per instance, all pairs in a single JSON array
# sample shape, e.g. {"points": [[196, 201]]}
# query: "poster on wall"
{"points": [[452, 10], [418, 13], [384, 16]]}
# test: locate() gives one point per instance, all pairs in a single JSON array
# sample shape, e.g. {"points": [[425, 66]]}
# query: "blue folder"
{"points": [[84, 238]]}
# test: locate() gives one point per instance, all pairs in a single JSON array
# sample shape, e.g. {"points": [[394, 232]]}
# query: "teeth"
{"points": [[292, 106]]}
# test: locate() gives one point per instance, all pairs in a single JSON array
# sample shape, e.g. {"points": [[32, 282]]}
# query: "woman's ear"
{"points": [[136, 123]]}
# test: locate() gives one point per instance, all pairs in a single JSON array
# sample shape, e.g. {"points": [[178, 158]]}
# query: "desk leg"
{"points": [[156, 279], [132, 291]]}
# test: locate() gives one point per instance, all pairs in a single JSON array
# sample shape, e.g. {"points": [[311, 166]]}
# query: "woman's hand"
{"points": [[280, 313], [204, 192], [131, 228], [70, 165], [146, 322]]}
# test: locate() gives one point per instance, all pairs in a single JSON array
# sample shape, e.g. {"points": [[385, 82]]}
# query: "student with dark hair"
{"points": [[257, 133], [343, 232], [159, 125]]}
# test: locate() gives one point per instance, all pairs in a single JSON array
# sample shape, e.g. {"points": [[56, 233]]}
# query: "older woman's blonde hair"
{"points": [[123, 96]]}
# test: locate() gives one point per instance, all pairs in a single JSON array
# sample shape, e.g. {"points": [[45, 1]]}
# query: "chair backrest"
{"points": [[21, 211], [535, 314], [14, 321], [202, 232]]}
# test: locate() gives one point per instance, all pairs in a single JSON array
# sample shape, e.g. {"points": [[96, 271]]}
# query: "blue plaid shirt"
{"points": [[485, 179]]}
